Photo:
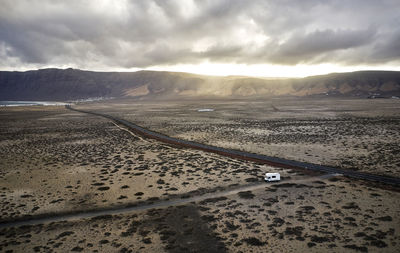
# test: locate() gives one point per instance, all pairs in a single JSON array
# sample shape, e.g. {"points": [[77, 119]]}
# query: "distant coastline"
{"points": [[30, 103]]}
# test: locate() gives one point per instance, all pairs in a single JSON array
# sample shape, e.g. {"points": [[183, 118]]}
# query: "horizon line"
{"points": [[199, 74]]}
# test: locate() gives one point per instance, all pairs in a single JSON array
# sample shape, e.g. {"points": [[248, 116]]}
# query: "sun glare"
{"points": [[263, 70]]}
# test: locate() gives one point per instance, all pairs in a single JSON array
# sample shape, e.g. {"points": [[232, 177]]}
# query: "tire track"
{"points": [[48, 218]]}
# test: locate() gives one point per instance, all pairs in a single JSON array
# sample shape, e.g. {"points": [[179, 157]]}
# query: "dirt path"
{"points": [[158, 204]]}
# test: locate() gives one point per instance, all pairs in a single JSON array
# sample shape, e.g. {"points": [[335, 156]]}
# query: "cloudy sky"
{"points": [[219, 37]]}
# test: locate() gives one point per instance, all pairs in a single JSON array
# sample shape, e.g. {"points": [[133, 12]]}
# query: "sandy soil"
{"points": [[318, 216], [53, 160], [358, 134]]}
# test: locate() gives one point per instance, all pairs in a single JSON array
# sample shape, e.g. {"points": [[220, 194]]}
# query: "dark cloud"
{"points": [[101, 34], [388, 49], [314, 47]]}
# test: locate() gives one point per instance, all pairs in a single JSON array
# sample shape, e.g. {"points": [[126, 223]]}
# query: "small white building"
{"points": [[270, 177]]}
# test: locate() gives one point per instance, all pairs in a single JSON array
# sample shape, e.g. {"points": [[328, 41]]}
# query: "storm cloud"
{"points": [[140, 34]]}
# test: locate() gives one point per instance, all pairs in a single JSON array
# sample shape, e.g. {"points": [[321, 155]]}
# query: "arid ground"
{"points": [[55, 161], [357, 134]]}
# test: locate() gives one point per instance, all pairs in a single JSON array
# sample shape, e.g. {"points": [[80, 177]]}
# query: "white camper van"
{"points": [[270, 177]]}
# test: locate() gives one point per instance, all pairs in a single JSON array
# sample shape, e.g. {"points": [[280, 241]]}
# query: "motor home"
{"points": [[270, 177]]}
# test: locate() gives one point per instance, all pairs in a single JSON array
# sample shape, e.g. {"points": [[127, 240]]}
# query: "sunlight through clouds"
{"points": [[261, 38]]}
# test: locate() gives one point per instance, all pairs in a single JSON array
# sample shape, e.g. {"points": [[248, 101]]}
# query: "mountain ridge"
{"points": [[69, 84]]}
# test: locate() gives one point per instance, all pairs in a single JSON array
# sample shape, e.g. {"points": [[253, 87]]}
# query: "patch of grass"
{"points": [[213, 200], [63, 234], [251, 180], [77, 249], [208, 218], [351, 205], [294, 230], [147, 240], [254, 241], [379, 244], [357, 248], [319, 239], [311, 244], [385, 218], [246, 195]]}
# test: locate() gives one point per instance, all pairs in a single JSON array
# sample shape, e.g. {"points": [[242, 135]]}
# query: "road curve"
{"points": [[264, 159]]}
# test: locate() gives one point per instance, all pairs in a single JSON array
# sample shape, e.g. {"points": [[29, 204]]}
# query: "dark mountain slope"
{"points": [[71, 84]]}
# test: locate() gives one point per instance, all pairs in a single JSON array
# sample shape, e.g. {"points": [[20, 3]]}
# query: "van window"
{"points": [[273, 176]]}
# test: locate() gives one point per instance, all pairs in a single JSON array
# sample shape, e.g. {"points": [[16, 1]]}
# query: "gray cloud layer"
{"points": [[92, 34]]}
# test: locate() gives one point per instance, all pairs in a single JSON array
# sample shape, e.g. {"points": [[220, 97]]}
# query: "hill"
{"points": [[71, 84]]}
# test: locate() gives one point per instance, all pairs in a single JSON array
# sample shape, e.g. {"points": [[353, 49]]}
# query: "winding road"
{"points": [[264, 159], [184, 199]]}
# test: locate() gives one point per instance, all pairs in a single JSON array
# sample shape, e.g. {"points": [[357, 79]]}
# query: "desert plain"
{"points": [[54, 162]]}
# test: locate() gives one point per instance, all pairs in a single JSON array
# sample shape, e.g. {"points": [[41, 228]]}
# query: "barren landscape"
{"points": [[54, 161], [356, 134], [200, 126]]}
